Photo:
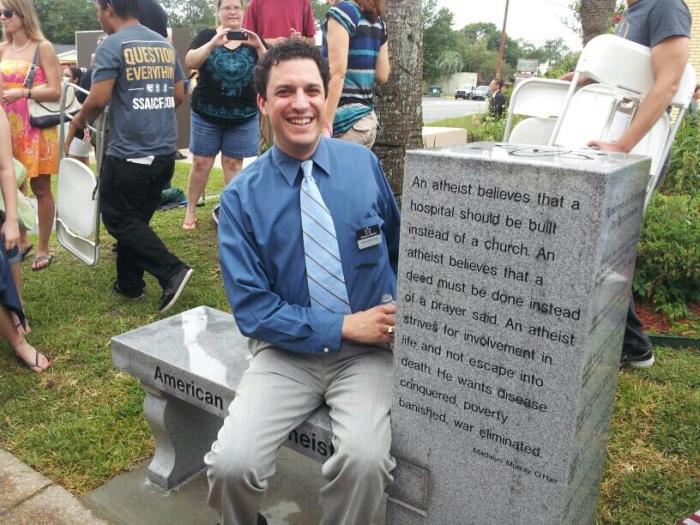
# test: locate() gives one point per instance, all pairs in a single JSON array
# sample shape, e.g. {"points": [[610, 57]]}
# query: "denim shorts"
{"points": [[237, 141]]}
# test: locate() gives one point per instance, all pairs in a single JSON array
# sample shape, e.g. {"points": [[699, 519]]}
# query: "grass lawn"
{"points": [[81, 422]]}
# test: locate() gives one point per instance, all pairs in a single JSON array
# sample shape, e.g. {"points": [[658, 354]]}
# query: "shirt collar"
{"points": [[289, 167]]}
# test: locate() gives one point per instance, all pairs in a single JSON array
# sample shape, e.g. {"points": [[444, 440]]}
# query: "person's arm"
{"points": [[179, 92], [668, 61], [49, 92], [383, 68], [8, 185], [255, 42], [196, 57], [97, 100], [262, 314], [338, 41]]}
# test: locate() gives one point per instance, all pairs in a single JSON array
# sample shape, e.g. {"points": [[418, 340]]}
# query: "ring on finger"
{"points": [[390, 330]]}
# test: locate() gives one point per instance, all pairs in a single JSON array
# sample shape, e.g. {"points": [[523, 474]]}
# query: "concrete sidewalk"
{"points": [[28, 498]]}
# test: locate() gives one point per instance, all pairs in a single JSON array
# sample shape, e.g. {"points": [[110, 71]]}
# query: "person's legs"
{"points": [[636, 345], [275, 395], [130, 194], [232, 167], [206, 141], [34, 359], [199, 174], [41, 187], [359, 397]]}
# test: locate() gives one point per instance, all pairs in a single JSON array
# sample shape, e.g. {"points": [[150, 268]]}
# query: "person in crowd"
{"points": [[224, 113], [140, 155], [310, 298], [152, 15], [355, 43], [664, 26], [36, 149], [80, 145], [277, 20], [13, 326], [497, 103]]}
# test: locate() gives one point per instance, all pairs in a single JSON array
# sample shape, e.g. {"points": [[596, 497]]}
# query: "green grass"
{"points": [[81, 423]]}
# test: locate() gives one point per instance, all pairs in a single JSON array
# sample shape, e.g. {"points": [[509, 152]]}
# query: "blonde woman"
{"points": [[36, 149], [224, 111]]}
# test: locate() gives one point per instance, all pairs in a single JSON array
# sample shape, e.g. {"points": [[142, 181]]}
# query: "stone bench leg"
{"points": [[183, 435]]}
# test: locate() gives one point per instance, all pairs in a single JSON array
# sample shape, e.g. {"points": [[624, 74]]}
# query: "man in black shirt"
{"points": [[498, 99], [154, 17]]}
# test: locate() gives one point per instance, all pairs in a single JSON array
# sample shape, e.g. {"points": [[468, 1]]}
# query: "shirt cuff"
{"points": [[328, 328]]}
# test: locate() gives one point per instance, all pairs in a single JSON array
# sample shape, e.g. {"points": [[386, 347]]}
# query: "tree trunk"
{"points": [[398, 103], [596, 17]]}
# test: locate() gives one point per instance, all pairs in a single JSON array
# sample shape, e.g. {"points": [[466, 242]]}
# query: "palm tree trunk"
{"points": [[596, 17], [398, 103]]}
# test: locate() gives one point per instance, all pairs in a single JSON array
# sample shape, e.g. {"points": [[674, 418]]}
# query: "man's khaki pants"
{"points": [[278, 392]]}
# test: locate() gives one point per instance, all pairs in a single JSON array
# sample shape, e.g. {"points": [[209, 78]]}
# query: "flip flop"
{"points": [[25, 253], [35, 367], [190, 225], [42, 262]]}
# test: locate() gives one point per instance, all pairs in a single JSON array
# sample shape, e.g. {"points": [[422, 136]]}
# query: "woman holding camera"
{"points": [[355, 43], [224, 109], [36, 149]]}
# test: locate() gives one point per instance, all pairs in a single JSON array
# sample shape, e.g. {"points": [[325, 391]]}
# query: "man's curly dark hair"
{"points": [[290, 49]]}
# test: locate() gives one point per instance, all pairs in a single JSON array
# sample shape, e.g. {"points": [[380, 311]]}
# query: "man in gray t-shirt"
{"points": [[664, 26], [137, 73]]}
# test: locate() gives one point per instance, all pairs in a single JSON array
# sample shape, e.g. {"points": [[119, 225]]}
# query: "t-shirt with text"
{"points": [[142, 109]]}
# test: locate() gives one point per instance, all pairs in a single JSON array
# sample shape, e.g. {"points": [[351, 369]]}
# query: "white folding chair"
{"points": [[77, 218], [626, 77], [539, 99]]}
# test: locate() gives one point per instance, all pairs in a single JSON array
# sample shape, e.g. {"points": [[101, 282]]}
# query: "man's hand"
{"points": [[70, 135], [375, 325], [607, 146]]}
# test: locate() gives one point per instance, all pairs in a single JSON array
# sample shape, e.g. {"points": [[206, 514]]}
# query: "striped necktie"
{"points": [[324, 270]]}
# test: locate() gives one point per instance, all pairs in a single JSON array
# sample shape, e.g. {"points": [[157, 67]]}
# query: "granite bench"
{"points": [[189, 366]]}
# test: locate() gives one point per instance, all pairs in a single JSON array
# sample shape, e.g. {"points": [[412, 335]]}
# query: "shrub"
{"points": [[684, 173], [668, 261]]}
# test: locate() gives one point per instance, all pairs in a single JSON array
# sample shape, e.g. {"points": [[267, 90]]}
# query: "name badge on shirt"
{"points": [[368, 237]]}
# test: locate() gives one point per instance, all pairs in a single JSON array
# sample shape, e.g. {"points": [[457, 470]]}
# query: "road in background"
{"points": [[441, 108]]}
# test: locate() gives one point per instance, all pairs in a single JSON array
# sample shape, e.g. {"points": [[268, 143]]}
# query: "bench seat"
{"points": [[189, 366]]}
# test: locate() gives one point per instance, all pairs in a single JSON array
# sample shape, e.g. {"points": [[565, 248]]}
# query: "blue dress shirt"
{"points": [[261, 247]]}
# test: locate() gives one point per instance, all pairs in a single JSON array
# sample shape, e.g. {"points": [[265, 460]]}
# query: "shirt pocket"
{"points": [[371, 255]]}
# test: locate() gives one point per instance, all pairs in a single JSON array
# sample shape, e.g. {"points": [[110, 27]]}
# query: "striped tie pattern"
{"points": [[324, 270]]}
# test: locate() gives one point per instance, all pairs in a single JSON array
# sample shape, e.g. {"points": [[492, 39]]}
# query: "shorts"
{"points": [[13, 255], [237, 141], [363, 132]]}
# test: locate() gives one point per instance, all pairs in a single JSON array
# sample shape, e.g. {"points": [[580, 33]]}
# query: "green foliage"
{"points": [[438, 38], [320, 9], [193, 14], [60, 19], [684, 173], [668, 260]]}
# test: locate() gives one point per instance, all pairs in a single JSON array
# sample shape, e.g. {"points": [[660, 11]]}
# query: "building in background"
{"points": [[694, 6]]}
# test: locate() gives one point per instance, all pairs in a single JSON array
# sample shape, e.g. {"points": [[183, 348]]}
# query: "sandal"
{"points": [[22, 330], [42, 262], [189, 225], [24, 253], [36, 367]]}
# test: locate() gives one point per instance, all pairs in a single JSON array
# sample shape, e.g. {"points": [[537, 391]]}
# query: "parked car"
{"points": [[463, 93], [480, 93]]}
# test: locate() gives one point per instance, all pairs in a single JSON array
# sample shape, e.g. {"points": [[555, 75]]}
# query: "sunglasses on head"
{"points": [[7, 13]]}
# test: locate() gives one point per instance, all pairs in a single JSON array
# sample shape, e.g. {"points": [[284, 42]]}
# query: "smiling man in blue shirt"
{"points": [[308, 244]]}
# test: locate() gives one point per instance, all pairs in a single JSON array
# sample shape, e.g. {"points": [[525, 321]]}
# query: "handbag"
{"points": [[48, 114]]}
